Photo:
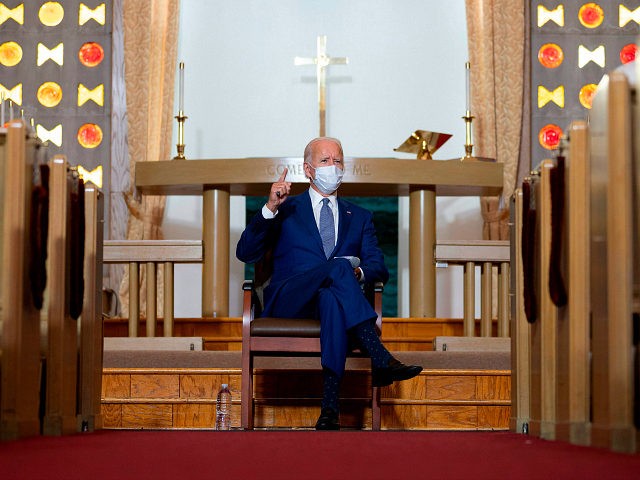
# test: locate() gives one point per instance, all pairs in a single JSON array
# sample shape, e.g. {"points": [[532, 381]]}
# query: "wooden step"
{"points": [[224, 333], [456, 391]]}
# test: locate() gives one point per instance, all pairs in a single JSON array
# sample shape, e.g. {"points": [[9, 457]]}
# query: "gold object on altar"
{"points": [[423, 143], [180, 145]]}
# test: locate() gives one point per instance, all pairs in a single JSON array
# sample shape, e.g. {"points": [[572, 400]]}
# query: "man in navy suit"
{"points": [[323, 249]]}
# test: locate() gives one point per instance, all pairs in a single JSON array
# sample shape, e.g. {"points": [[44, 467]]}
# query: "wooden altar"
{"points": [[421, 180]]}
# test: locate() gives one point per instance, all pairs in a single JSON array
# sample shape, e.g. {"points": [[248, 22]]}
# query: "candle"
{"points": [[10, 110], [467, 67], [1, 109], [181, 94]]}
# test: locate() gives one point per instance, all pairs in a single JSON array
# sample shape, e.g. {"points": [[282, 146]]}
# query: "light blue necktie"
{"points": [[327, 229]]}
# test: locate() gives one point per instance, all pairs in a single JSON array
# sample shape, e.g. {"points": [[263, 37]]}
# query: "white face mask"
{"points": [[328, 178]]}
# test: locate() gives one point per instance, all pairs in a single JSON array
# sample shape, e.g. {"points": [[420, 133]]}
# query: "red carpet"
{"points": [[306, 455]]}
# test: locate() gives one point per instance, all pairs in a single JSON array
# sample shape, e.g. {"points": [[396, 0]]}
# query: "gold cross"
{"points": [[322, 61]]}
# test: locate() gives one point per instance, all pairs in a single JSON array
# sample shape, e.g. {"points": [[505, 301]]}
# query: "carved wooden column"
{"points": [[215, 237], [422, 239]]}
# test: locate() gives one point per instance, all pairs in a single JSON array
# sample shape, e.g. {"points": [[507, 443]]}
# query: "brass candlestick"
{"points": [[468, 146], [180, 145]]}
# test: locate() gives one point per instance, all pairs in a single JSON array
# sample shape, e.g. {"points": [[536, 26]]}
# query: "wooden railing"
{"points": [[152, 253], [488, 254]]}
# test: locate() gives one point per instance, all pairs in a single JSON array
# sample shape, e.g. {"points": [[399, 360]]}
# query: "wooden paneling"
{"points": [[116, 386], [185, 398], [155, 386], [149, 415]]}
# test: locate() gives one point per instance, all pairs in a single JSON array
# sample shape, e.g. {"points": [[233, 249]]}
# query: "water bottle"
{"points": [[223, 408]]}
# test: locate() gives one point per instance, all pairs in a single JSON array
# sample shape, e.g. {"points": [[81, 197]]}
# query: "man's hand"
{"points": [[279, 192]]}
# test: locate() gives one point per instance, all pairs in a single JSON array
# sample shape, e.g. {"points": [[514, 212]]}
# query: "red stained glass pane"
{"points": [[628, 53], [586, 95], [89, 135], [549, 136], [91, 54], [550, 55], [591, 15]]}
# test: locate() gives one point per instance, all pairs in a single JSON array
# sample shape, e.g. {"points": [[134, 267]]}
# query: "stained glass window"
{"points": [[573, 44], [55, 64]]}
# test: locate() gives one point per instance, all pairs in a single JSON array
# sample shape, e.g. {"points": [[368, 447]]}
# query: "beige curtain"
{"points": [[150, 50], [496, 35]]}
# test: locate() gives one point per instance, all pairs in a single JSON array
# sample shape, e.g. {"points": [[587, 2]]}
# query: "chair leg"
{"points": [[375, 408], [246, 406]]}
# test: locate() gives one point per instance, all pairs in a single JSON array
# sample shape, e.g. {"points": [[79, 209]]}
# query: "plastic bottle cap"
{"points": [[224, 385]]}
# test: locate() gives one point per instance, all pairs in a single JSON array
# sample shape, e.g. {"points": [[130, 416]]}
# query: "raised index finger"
{"points": [[284, 174]]}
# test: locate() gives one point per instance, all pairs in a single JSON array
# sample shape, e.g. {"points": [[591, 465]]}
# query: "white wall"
{"points": [[244, 97]]}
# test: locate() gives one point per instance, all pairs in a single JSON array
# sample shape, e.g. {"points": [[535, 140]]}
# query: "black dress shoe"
{"points": [[393, 372], [329, 420]]}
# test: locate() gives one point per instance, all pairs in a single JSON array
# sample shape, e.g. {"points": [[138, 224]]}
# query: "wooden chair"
{"points": [[267, 336]]}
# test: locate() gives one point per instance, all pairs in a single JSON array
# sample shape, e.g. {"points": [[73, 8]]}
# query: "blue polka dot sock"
{"points": [[330, 390], [370, 342]]}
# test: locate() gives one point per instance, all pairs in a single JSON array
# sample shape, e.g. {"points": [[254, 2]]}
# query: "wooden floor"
{"points": [[177, 390]]}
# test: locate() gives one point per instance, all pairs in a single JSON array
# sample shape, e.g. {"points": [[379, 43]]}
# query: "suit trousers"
{"points": [[331, 293]]}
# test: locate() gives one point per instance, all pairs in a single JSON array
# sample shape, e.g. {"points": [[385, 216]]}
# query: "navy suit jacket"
{"points": [[295, 241]]}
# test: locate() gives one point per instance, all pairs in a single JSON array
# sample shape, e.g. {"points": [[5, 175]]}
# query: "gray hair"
{"points": [[307, 149]]}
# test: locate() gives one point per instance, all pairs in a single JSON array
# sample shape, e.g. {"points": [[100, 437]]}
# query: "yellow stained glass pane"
{"points": [[586, 95], [51, 14], [625, 15], [545, 96], [97, 95], [49, 94], [54, 135], [14, 94], [556, 15], [10, 54], [94, 176], [85, 14], [56, 54], [16, 14], [89, 135]]}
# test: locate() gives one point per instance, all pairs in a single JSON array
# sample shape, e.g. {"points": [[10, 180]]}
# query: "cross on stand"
{"points": [[322, 61]]}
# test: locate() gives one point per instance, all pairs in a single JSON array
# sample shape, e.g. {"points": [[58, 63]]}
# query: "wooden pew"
{"points": [[20, 336], [91, 325], [74, 367], [61, 356], [572, 400], [520, 328], [612, 253], [544, 328]]}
